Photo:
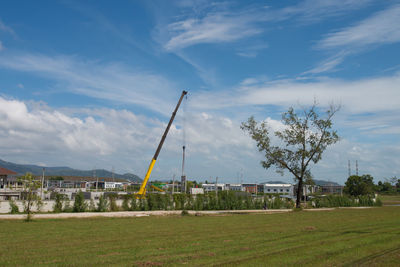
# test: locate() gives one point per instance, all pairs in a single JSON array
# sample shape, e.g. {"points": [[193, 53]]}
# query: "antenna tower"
{"points": [[357, 167], [348, 167]]}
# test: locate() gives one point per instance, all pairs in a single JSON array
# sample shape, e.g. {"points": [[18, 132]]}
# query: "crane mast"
{"points": [[142, 190]]}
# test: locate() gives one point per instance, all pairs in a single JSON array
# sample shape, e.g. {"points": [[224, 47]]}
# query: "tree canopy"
{"points": [[304, 138], [359, 185]]}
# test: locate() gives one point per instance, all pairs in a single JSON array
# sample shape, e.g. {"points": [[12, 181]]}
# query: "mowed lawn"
{"points": [[390, 199], [368, 237]]}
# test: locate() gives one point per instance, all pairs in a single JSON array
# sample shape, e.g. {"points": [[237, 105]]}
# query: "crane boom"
{"points": [[142, 190]]}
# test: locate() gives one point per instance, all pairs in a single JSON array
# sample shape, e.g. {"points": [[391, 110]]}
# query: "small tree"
{"points": [[58, 205], [13, 207], [79, 203], [30, 197], [359, 185], [103, 204], [304, 138]]}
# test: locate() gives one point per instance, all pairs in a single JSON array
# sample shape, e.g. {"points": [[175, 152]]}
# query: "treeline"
{"points": [[364, 185]]}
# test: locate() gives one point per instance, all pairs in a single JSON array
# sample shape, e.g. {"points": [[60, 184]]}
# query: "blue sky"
{"points": [[92, 83]]}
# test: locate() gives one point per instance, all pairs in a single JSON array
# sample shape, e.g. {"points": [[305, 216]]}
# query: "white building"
{"points": [[235, 187], [287, 189], [213, 187]]}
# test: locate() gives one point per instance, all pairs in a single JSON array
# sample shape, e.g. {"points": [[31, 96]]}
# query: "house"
{"points": [[7, 178]]}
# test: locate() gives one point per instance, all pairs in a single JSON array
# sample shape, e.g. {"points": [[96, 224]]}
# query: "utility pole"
{"points": [[216, 186], [173, 184], [183, 177], [97, 181], [41, 187]]}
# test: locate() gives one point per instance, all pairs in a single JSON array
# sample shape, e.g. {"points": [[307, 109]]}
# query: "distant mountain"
{"points": [[65, 171]]}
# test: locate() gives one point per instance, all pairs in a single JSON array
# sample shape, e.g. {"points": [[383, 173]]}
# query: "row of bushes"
{"points": [[225, 200], [332, 201]]}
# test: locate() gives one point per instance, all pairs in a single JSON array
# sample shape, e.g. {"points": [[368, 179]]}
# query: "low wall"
{"points": [[47, 206]]}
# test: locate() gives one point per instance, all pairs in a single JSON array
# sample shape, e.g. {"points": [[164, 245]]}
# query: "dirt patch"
{"points": [[245, 249], [149, 263], [310, 228]]}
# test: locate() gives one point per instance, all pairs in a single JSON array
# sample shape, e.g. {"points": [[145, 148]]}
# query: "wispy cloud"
{"points": [[214, 27], [110, 81], [328, 65], [355, 96], [6, 28], [381, 28], [315, 10], [251, 51]]}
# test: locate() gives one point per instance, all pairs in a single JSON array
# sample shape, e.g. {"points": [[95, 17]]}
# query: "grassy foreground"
{"points": [[340, 237]]}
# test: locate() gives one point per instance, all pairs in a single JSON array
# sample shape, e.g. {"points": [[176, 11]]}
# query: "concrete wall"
{"points": [[47, 205]]}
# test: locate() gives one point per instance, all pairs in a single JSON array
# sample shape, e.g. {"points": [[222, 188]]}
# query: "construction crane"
{"points": [[142, 190]]}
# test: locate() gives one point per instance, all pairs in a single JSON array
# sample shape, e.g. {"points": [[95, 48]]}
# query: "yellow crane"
{"points": [[142, 190]]}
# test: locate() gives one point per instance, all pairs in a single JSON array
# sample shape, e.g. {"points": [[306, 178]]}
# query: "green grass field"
{"points": [[390, 199], [368, 237]]}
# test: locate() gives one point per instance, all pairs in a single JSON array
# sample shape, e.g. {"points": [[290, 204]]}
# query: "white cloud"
{"points": [[252, 50], [115, 82], [315, 10], [214, 27], [107, 137], [6, 28], [381, 28], [328, 65], [366, 95]]}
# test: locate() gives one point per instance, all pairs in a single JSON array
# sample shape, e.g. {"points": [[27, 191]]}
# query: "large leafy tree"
{"points": [[304, 138], [359, 185]]}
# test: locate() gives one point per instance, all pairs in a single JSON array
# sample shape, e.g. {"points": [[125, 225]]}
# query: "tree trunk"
{"points": [[299, 192]]}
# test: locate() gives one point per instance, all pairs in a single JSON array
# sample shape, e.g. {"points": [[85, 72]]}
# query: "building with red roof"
{"points": [[4, 175]]}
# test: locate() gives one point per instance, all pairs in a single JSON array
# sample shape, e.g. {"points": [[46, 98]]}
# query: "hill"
{"points": [[65, 171]]}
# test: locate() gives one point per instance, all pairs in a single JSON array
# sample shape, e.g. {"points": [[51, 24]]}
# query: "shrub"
{"points": [[113, 203], [67, 205], [125, 203], [13, 207], [58, 205], [134, 205], [79, 203], [102, 206], [92, 206]]}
